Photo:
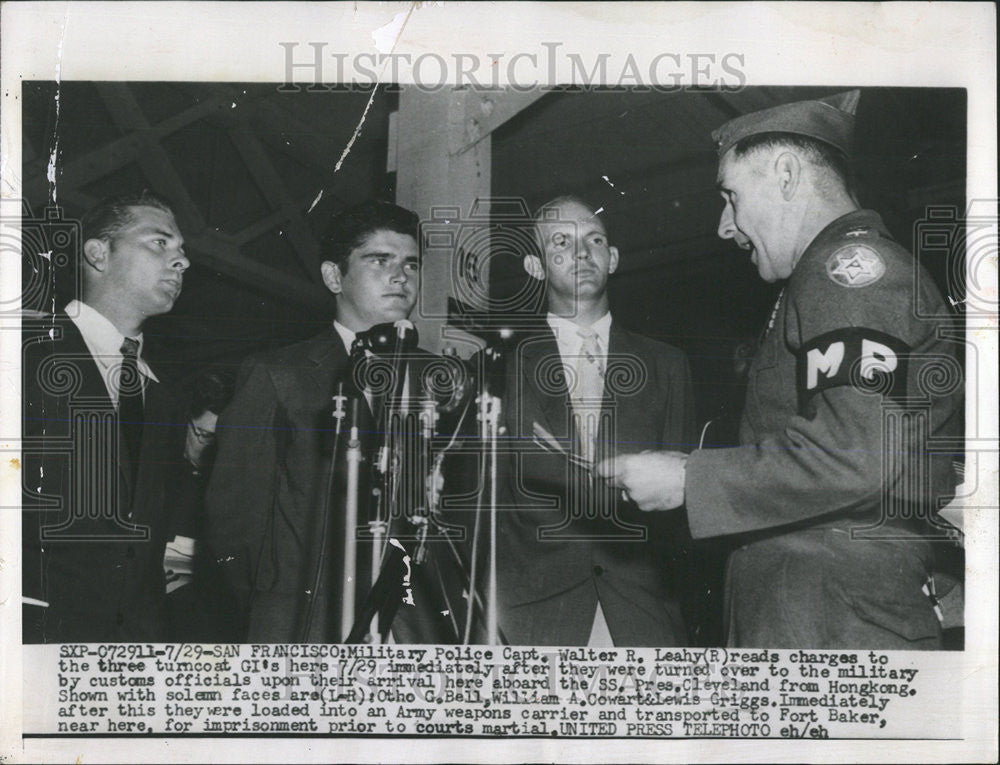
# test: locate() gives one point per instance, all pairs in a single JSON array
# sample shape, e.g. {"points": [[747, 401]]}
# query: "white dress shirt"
{"points": [[104, 342], [570, 345]]}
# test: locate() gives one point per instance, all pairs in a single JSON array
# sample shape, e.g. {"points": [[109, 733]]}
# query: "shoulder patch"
{"points": [[855, 265]]}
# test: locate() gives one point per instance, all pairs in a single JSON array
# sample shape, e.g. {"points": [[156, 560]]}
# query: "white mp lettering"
{"points": [[828, 363], [876, 357]]}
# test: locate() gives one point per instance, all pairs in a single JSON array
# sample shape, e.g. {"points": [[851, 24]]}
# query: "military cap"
{"points": [[830, 120]]}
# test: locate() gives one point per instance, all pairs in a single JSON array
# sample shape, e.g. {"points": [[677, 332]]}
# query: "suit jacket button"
{"points": [[598, 570]]}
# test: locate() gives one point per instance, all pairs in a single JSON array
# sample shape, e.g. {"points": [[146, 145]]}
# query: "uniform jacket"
{"points": [[845, 356], [92, 539], [269, 481], [555, 557]]}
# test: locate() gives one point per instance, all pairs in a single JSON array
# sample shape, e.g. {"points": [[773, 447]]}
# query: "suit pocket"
{"points": [[885, 590], [909, 616]]}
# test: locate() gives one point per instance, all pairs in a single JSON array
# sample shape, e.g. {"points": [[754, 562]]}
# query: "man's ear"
{"points": [[788, 169], [613, 263], [332, 277], [96, 253], [533, 265]]}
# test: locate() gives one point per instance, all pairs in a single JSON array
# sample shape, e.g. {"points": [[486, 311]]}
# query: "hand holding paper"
{"points": [[653, 480]]}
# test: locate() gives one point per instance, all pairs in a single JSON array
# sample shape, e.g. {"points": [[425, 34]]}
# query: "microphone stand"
{"points": [[490, 409], [349, 572], [385, 466], [377, 611], [489, 418], [325, 509]]}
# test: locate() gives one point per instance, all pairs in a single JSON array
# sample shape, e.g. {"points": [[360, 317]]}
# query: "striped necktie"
{"points": [[588, 391], [130, 404]]}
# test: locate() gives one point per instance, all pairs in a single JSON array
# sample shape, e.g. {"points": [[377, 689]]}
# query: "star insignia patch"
{"points": [[855, 266]]}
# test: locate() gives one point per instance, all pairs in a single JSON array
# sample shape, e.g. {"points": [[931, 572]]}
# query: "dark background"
{"points": [[243, 163]]}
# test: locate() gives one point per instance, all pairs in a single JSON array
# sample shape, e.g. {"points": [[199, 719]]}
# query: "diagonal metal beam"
{"points": [[112, 156], [152, 158], [265, 224], [273, 188]]}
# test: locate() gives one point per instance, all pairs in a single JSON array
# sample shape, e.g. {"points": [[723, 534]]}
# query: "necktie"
{"points": [[130, 415], [588, 391], [359, 361]]}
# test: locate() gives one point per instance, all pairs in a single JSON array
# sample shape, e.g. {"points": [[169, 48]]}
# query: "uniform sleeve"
{"points": [[241, 488], [679, 429], [851, 349]]}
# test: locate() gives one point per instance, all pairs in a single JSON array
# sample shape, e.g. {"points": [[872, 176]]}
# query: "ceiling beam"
{"points": [[215, 250], [112, 156], [272, 187], [268, 222], [485, 111], [152, 158]]}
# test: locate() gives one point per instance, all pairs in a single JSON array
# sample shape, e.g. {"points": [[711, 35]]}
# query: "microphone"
{"points": [[389, 338]]}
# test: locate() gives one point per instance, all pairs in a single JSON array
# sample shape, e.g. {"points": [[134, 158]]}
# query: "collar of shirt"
{"points": [[570, 342], [104, 342], [346, 335]]}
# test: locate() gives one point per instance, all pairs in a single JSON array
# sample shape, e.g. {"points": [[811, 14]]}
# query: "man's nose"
{"points": [[180, 261], [398, 273], [727, 227]]}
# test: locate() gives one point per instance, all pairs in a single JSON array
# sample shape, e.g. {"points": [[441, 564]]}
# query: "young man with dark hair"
{"points": [[270, 481], [99, 436]]}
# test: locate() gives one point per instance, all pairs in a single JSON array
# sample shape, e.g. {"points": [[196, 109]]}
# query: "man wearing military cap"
{"points": [[833, 489]]}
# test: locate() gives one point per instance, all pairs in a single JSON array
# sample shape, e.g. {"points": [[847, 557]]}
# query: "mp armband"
{"points": [[865, 359]]}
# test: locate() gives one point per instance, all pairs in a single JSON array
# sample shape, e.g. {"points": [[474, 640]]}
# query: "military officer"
{"points": [[833, 488]]}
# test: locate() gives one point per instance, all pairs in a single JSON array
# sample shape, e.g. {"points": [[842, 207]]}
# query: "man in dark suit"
{"points": [[578, 566], [274, 524], [100, 439]]}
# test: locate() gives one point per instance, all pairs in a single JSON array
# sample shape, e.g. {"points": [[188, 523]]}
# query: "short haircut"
{"points": [[111, 215], [540, 217], [562, 199], [819, 153], [349, 229]]}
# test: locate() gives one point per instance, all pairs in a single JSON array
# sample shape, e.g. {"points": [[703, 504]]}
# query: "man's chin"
{"points": [[590, 288], [160, 307], [391, 317]]}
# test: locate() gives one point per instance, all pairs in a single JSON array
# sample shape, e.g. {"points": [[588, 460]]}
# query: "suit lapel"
{"points": [[92, 388], [621, 349], [94, 393], [326, 362], [160, 418], [543, 385]]}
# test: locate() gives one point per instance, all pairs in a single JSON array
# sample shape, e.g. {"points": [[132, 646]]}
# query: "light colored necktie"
{"points": [[588, 391]]}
